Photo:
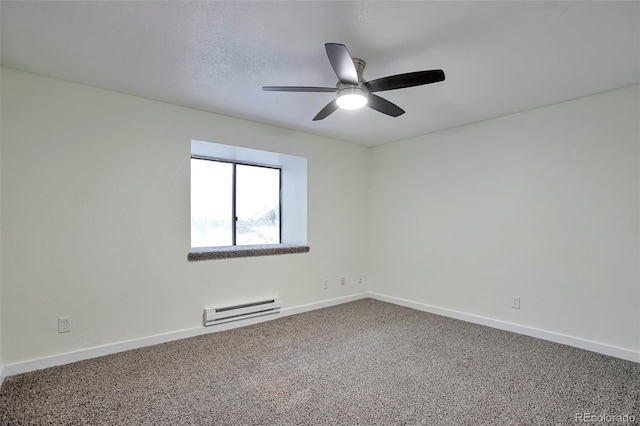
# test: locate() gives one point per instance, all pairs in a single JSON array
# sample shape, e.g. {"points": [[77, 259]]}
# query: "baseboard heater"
{"points": [[213, 316]]}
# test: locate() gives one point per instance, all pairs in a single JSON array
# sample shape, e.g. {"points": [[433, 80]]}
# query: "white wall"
{"points": [[542, 204], [95, 218]]}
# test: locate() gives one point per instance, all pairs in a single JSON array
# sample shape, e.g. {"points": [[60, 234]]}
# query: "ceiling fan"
{"points": [[353, 91]]}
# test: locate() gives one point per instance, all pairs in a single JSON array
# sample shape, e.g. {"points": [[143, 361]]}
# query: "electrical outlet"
{"points": [[360, 280], [343, 280], [326, 283], [515, 302], [64, 324]]}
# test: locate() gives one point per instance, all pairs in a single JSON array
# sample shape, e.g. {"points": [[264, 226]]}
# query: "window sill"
{"points": [[228, 252]]}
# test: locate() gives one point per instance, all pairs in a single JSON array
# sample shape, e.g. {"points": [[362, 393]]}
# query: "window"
{"points": [[266, 191], [234, 203]]}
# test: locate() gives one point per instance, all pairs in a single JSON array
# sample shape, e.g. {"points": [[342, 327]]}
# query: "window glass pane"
{"points": [[211, 198], [257, 205]]}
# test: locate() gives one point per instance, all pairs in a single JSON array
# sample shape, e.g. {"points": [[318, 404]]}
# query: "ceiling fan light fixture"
{"points": [[352, 98]]}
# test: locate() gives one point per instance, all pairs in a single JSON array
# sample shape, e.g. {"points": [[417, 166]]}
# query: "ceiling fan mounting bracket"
{"points": [[360, 65]]}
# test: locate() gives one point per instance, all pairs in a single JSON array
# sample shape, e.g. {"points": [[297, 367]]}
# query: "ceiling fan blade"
{"points": [[324, 112], [401, 81], [384, 106], [342, 63], [297, 89]]}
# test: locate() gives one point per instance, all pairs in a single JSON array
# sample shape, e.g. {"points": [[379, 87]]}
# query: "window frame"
{"points": [[234, 216]]}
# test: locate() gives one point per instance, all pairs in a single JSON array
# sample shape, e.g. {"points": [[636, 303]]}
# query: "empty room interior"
{"points": [[320, 212]]}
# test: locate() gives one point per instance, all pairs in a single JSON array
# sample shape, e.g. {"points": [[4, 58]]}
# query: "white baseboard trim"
{"points": [[564, 339], [324, 304], [1, 374], [98, 351]]}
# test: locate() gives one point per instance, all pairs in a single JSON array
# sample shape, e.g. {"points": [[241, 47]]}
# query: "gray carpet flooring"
{"points": [[360, 363]]}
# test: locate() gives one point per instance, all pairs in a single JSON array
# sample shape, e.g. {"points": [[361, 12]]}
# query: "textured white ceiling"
{"points": [[498, 57]]}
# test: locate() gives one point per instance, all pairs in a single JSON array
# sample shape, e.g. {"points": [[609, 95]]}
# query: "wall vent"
{"points": [[213, 316]]}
